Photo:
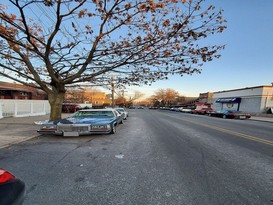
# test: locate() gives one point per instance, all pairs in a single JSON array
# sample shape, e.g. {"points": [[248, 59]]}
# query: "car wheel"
{"points": [[121, 122], [113, 131], [224, 116]]}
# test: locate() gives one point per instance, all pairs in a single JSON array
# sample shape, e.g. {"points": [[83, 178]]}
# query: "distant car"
{"points": [[153, 108], [132, 107], [70, 107], [203, 111], [186, 110], [123, 111], [12, 189], [175, 109], [194, 111], [232, 114], [85, 122]]}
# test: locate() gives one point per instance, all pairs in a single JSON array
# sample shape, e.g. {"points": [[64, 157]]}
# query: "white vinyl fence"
{"points": [[23, 108]]}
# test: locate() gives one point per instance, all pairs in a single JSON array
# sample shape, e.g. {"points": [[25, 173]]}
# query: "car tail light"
{"points": [[5, 176]]}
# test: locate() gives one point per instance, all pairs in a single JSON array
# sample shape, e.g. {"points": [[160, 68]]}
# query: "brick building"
{"points": [[94, 97], [20, 92]]}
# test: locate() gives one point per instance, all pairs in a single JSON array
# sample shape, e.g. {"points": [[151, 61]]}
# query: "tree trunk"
{"points": [[56, 101]]}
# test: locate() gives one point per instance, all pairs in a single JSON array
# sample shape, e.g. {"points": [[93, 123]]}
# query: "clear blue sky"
{"points": [[247, 60]]}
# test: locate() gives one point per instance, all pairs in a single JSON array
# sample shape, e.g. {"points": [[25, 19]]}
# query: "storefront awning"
{"points": [[228, 100]]}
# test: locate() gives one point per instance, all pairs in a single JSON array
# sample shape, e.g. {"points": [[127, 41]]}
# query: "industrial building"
{"points": [[256, 100]]}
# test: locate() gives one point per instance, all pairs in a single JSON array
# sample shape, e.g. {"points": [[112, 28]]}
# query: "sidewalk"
{"points": [[31, 120], [24, 120], [18, 129], [263, 119]]}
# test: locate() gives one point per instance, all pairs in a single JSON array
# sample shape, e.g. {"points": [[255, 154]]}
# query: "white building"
{"points": [[253, 99]]}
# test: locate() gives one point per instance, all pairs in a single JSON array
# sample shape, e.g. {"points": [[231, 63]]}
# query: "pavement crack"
{"points": [[69, 152], [32, 188]]}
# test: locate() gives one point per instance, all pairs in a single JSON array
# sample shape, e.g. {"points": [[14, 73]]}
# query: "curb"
{"points": [[261, 120], [17, 142]]}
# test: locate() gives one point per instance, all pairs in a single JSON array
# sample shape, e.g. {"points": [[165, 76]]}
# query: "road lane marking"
{"points": [[249, 137]]}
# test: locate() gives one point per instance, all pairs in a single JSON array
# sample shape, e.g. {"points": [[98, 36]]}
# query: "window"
{"points": [[23, 93]]}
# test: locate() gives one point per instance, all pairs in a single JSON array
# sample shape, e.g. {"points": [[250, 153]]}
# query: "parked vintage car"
{"points": [[12, 189], [85, 122], [233, 114], [123, 111]]}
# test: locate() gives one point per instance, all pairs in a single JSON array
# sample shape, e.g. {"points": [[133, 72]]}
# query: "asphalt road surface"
{"points": [[156, 157]]}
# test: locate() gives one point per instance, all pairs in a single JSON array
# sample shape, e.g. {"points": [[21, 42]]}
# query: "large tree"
{"points": [[52, 44], [165, 97], [121, 100]]}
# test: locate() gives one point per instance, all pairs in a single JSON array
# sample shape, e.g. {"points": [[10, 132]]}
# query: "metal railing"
{"points": [[23, 108]]}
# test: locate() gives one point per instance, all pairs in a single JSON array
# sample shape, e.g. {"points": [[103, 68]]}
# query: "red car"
{"points": [[70, 108], [203, 111], [12, 189]]}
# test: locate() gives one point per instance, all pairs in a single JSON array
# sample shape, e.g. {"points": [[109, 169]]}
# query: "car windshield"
{"points": [[120, 110], [93, 113]]}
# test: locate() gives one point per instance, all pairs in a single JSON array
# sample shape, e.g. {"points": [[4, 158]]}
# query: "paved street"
{"points": [[156, 157], [18, 129]]}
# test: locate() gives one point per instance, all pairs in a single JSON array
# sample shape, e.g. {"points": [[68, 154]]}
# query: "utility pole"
{"points": [[123, 98], [113, 91]]}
